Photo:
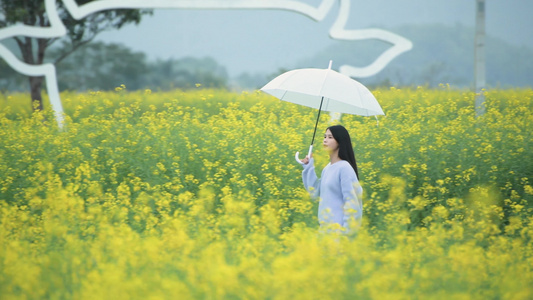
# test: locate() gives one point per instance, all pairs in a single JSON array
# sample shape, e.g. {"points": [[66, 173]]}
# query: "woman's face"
{"points": [[329, 142]]}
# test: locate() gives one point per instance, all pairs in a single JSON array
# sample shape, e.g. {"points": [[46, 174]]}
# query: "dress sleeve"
{"points": [[351, 193], [311, 181]]}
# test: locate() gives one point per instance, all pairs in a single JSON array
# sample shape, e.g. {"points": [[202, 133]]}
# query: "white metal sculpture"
{"points": [[317, 13]]}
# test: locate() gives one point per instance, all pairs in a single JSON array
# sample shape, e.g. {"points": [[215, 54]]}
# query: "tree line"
{"points": [[101, 66]]}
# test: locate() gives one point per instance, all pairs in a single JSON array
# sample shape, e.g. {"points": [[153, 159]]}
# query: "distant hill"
{"points": [[441, 54]]}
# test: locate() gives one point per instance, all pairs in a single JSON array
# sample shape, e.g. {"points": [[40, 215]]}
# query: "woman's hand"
{"points": [[305, 161]]}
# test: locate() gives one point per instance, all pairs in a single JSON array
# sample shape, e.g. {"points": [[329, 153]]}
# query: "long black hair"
{"points": [[341, 135]]}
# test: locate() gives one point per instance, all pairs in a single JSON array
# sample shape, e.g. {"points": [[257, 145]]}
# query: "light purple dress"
{"points": [[339, 191]]}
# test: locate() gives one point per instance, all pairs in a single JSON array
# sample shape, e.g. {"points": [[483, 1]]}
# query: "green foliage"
{"points": [[99, 66], [10, 80], [186, 73]]}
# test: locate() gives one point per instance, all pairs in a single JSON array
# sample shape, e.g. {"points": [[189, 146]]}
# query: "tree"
{"points": [[79, 32]]}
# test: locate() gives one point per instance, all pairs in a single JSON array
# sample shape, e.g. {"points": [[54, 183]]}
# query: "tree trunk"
{"points": [[36, 88], [26, 46]]}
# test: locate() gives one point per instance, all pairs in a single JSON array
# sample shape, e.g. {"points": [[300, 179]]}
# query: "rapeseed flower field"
{"points": [[196, 195]]}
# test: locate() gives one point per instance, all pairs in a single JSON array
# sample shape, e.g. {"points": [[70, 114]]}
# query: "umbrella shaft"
{"points": [[318, 118]]}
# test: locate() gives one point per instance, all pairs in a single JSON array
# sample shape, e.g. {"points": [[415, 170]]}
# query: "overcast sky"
{"points": [[265, 40]]}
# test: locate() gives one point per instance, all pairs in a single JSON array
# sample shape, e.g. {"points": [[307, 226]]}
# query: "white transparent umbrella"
{"points": [[325, 90]]}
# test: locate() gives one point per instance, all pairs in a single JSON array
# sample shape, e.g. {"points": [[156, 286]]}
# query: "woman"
{"points": [[338, 188]]}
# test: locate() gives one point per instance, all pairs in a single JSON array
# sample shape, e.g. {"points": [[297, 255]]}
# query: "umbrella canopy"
{"points": [[313, 87], [324, 89]]}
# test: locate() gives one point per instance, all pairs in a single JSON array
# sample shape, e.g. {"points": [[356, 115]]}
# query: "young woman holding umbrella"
{"points": [[338, 188], [325, 89]]}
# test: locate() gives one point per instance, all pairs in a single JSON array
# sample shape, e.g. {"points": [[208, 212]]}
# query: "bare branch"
{"points": [[74, 48], [51, 41]]}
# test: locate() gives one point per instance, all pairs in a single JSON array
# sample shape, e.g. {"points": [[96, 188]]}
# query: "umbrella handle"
{"points": [[297, 155]]}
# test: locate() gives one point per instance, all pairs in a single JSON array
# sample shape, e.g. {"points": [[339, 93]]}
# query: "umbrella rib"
{"points": [[284, 93]]}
